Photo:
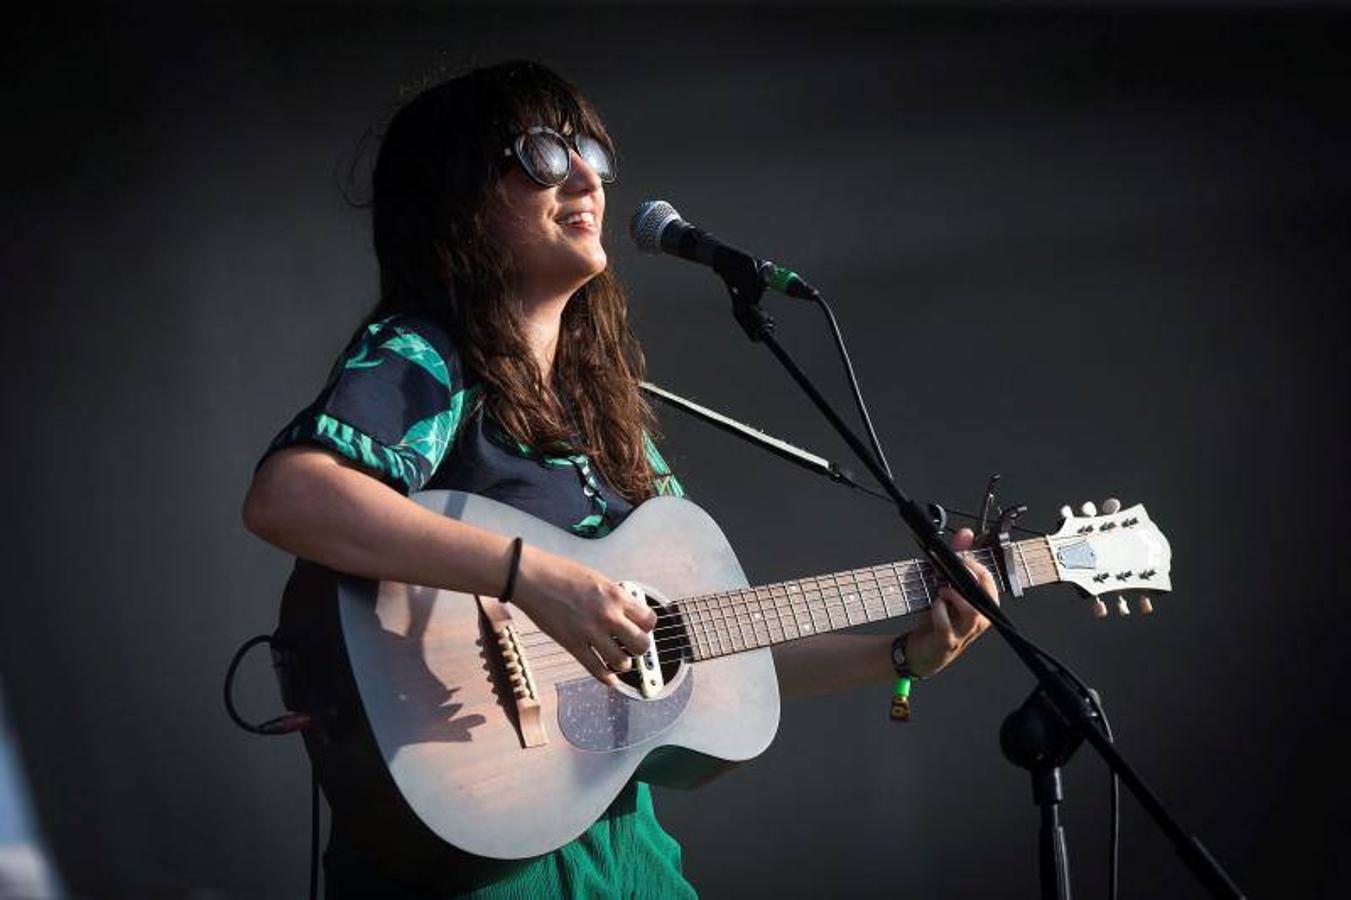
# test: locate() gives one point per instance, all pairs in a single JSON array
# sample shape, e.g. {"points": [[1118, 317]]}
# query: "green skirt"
{"points": [[625, 854]]}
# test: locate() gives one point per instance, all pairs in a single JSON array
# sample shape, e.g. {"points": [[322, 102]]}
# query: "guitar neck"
{"points": [[754, 617]]}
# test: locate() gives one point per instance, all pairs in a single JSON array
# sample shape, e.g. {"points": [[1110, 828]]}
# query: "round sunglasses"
{"points": [[547, 158]]}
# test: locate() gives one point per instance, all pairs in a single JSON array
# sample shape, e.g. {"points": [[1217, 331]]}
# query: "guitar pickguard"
{"points": [[595, 717]]}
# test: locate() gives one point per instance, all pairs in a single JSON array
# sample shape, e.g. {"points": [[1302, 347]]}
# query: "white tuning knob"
{"points": [[1110, 505], [1066, 512], [1146, 605], [1122, 606], [1088, 508], [1099, 609]]}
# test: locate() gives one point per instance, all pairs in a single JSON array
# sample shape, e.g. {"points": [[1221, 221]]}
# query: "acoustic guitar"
{"points": [[441, 718]]}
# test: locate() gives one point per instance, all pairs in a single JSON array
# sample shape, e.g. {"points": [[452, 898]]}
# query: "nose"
{"points": [[583, 179]]}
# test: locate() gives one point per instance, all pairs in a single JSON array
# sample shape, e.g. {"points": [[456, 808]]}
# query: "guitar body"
{"points": [[418, 738]]}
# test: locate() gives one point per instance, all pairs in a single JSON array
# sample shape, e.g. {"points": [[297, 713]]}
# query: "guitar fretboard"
{"points": [[750, 618]]}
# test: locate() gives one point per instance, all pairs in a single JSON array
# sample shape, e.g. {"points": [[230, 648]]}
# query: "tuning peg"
{"points": [[1066, 512], [1099, 609], [1110, 505], [1122, 606], [1088, 508], [1146, 605]]}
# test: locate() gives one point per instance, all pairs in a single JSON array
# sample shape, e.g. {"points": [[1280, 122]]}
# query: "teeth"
{"points": [[582, 218]]}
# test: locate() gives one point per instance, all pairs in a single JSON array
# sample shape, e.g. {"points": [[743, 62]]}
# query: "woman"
{"points": [[499, 361]]}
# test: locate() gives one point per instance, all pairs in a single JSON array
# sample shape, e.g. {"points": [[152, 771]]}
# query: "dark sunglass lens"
{"points": [[545, 157], [597, 157]]}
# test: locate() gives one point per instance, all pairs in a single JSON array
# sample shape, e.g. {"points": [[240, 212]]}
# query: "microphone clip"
{"points": [[745, 278]]}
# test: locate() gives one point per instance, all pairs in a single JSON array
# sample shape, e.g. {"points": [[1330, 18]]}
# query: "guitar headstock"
{"points": [[1115, 551]]}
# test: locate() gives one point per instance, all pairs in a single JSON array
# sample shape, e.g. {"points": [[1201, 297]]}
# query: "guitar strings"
{"points": [[703, 623], [740, 599], [870, 599], [556, 662], [913, 568], [731, 601], [918, 573], [728, 622], [831, 596], [875, 599]]}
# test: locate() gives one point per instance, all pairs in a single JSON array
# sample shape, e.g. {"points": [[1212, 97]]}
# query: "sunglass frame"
{"points": [[517, 146]]}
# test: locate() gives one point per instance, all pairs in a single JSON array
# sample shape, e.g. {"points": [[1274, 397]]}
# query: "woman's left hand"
{"points": [[952, 623]]}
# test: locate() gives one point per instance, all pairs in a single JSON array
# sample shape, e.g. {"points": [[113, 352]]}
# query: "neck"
{"points": [[753, 617], [543, 320]]}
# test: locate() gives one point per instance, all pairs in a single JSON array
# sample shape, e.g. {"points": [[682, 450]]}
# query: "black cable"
{"points": [[283, 724], [1114, 841], [853, 383], [951, 511], [229, 686], [314, 834], [279, 725]]}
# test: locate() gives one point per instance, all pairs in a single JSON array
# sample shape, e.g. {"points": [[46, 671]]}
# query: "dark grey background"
{"points": [[1100, 251]]}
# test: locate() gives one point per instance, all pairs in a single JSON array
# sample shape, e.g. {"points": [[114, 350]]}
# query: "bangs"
{"points": [[531, 94]]}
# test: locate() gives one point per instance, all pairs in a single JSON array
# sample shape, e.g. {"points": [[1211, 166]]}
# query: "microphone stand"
{"points": [[1055, 696]]}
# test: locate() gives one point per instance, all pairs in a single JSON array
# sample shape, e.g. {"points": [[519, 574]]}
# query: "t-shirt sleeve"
{"points": [[393, 404], [664, 481]]}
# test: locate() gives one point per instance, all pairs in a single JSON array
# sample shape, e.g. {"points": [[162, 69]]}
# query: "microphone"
{"points": [[656, 227]]}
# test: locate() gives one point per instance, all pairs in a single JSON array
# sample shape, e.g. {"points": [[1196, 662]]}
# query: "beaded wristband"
{"points": [[900, 662]]}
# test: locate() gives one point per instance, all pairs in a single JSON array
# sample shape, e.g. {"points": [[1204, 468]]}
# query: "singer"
{"points": [[498, 360]]}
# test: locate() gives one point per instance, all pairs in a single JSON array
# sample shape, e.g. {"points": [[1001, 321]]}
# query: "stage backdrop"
{"points": [[1100, 252]]}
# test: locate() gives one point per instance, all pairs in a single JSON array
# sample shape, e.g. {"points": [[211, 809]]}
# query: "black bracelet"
{"points": [[900, 662], [511, 572]]}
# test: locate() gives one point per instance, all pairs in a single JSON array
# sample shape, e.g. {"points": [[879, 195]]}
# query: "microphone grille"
{"points": [[648, 222]]}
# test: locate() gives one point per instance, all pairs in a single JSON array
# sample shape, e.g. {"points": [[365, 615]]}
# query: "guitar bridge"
{"points": [[511, 654]]}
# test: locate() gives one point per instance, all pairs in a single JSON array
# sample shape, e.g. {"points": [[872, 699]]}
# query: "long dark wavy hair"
{"points": [[436, 177]]}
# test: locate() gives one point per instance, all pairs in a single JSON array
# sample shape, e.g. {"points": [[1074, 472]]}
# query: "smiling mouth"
{"points": [[585, 220]]}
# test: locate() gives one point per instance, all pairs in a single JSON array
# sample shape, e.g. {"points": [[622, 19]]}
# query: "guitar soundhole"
{"points": [[673, 644]]}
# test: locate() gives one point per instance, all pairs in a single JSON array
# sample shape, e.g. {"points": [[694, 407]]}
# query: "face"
{"points": [[552, 233]]}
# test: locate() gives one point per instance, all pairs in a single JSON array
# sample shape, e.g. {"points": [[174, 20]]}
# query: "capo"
{"points": [[996, 535], [1005, 545]]}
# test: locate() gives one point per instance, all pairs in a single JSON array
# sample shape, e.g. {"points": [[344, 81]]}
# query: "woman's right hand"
{"points": [[589, 615]]}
